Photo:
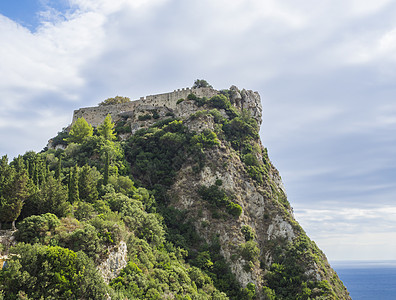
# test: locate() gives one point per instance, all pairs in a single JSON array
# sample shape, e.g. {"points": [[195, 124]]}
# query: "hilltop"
{"points": [[170, 196]]}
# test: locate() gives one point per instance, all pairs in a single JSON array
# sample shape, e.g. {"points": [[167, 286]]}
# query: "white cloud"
{"points": [[352, 233], [324, 69]]}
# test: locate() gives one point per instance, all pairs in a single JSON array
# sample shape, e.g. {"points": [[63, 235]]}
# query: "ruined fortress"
{"points": [[174, 104], [96, 115]]}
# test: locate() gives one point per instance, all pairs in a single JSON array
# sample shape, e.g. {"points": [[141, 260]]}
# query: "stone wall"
{"points": [[96, 115]]}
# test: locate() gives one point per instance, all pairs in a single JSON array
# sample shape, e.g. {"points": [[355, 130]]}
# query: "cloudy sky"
{"points": [[325, 70]]}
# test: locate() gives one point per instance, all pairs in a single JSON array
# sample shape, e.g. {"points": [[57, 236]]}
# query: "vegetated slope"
{"points": [[192, 194]]}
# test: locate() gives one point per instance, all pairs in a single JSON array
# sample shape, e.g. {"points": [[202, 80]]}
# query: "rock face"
{"points": [[264, 244], [114, 263], [7, 240]]}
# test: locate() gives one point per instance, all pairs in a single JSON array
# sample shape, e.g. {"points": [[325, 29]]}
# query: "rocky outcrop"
{"points": [[110, 267], [265, 210], [247, 100], [7, 240]]}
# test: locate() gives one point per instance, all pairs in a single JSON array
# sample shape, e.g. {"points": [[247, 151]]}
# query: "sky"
{"points": [[325, 70]]}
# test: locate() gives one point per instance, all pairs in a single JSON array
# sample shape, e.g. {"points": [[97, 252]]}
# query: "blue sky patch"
{"points": [[27, 12]]}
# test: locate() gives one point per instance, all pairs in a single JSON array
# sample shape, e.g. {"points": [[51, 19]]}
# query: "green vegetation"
{"points": [[115, 100], [201, 83], [107, 129], [74, 206], [247, 232], [157, 153], [46, 272], [80, 131], [14, 190], [217, 198], [287, 278]]}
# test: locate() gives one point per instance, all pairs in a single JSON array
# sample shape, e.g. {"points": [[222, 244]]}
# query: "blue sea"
{"points": [[374, 280]]}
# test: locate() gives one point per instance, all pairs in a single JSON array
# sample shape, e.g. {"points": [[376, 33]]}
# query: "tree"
{"points": [[106, 129], [44, 272], [106, 169], [13, 195], [73, 186], [58, 169], [115, 100], [4, 168], [80, 131], [53, 198], [201, 83], [87, 187]]}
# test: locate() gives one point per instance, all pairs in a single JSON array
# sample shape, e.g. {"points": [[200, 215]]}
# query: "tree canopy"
{"points": [[201, 83], [115, 100], [79, 131], [106, 129]]}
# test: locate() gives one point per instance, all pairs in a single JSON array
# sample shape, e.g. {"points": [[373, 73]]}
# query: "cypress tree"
{"points": [[69, 184], [36, 174], [106, 170], [87, 187], [73, 188], [58, 169]]}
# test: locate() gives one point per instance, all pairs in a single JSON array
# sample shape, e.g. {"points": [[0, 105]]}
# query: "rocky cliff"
{"points": [[199, 152], [229, 191]]}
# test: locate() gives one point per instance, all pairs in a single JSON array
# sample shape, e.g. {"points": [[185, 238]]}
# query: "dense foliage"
{"points": [[114, 100], [74, 205], [46, 272], [199, 83]]}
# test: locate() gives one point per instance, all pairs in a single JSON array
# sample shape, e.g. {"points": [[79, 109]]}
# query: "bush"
{"points": [[218, 198], [122, 127], [201, 83], [42, 272], [192, 97], [36, 229], [247, 232], [155, 114], [249, 251], [206, 139], [115, 100], [144, 117], [220, 102], [234, 209]]}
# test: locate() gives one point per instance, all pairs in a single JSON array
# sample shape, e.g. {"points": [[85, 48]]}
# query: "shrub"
{"points": [[249, 251], [42, 272], [115, 100], [234, 209], [192, 97], [250, 159], [144, 117], [206, 139], [35, 229], [201, 83], [122, 127], [219, 101], [155, 114], [247, 232], [218, 198]]}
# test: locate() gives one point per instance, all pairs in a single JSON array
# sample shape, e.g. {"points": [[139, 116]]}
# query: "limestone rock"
{"points": [[110, 267]]}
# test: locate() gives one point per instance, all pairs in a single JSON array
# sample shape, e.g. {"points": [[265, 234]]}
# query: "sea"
{"points": [[371, 280]]}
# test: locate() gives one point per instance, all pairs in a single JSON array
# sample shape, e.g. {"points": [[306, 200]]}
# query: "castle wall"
{"points": [[96, 115]]}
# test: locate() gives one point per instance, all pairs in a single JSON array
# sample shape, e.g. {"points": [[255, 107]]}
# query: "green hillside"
{"points": [[77, 203]]}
